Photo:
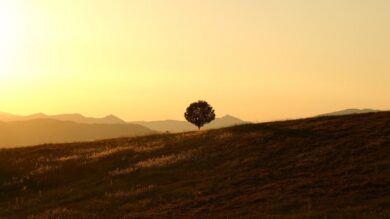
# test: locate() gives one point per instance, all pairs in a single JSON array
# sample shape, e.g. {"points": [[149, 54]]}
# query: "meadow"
{"points": [[328, 167]]}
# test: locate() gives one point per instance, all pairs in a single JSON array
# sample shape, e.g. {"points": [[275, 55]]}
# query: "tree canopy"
{"points": [[199, 113]]}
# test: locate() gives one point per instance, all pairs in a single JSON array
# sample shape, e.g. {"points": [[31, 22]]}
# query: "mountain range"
{"points": [[42, 131], [111, 119], [16, 130]]}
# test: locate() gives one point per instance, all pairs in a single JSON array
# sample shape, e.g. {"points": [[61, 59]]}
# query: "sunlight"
{"points": [[12, 31], [194, 109]]}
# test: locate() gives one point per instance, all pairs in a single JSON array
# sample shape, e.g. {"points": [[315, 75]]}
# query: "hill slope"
{"points": [[175, 126], [78, 118], [332, 167], [350, 112], [40, 131]]}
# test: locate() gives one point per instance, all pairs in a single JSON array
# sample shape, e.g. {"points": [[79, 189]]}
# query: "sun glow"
{"points": [[128, 57], [12, 33]]}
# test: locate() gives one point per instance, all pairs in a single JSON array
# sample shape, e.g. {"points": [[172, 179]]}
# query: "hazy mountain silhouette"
{"points": [[183, 126], [7, 117], [349, 112], [173, 126], [40, 131], [111, 119]]}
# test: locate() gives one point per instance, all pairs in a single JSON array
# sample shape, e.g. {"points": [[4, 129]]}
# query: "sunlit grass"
{"points": [[129, 193], [69, 157], [43, 169], [160, 161], [108, 151]]}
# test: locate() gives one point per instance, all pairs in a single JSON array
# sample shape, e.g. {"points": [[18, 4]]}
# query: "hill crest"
{"points": [[350, 112]]}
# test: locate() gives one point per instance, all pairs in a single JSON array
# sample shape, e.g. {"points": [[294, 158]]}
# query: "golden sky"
{"points": [[258, 60]]}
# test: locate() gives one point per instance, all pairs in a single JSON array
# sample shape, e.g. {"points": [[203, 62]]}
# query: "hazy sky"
{"points": [[148, 59]]}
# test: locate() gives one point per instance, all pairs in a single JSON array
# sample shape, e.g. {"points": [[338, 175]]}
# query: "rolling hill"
{"points": [[349, 112], [78, 118], [40, 131], [328, 167], [176, 126]]}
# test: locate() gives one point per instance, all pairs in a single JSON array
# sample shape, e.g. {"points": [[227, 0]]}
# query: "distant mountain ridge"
{"points": [[42, 131], [161, 126], [40, 128], [349, 112], [110, 119], [175, 126]]}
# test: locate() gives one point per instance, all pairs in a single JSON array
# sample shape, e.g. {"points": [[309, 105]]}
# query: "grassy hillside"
{"points": [[332, 167]]}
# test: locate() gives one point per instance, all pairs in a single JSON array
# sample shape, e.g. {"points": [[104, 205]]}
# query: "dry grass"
{"points": [[43, 169], [108, 152], [152, 146], [160, 161], [69, 157], [130, 193], [332, 167], [59, 213], [164, 160]]}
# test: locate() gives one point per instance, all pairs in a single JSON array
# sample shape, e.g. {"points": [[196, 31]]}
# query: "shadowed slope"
{"points": [[332, 167], [349, 112]]}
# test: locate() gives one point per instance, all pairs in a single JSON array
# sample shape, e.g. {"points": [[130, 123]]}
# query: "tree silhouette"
{"points": [[199, 113]]}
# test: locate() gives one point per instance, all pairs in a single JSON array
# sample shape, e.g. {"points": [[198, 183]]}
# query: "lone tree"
{"points": [[199, 113]]}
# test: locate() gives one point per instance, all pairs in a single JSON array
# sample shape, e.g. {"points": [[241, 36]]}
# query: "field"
{"points": [[328, 167]]}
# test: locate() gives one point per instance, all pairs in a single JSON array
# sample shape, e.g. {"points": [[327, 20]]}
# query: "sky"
{"points": [[259, 60]]}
